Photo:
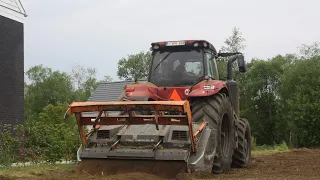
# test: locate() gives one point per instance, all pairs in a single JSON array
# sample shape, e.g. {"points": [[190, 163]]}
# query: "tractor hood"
{"points": [[148, 91], [145, 93]]}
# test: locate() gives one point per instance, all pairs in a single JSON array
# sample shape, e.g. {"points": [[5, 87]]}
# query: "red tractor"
{"points": [[194, 113]]}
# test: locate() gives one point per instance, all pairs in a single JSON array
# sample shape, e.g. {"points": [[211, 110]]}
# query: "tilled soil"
{"points": [[297, 164]]}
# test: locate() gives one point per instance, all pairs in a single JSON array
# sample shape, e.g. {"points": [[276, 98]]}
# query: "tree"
{"points": [[308, 51], [84, 81], [300, 102], [260, 96], [80, 76], [38, 73], [46, 87], [107, 79], [135, 66], [234, 43], [47, 95]]}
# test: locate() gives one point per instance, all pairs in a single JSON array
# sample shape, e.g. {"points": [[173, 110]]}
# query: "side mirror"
{"points": [[241, 64]]}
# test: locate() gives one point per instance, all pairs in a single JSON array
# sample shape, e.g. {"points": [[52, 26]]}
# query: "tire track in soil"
{"points": [[297, 164]]}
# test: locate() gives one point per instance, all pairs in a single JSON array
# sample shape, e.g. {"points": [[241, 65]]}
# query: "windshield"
{"points": [[180, 68]]}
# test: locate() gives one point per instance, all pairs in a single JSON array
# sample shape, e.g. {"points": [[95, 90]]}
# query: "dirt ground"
{"points": [[297, 164]]}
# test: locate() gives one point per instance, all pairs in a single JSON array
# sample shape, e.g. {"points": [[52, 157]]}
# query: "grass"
{"points": [[35, 170], [264, 149]]}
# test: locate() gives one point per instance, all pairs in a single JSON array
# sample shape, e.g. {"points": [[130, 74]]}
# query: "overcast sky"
{"points": [[62, 33]]}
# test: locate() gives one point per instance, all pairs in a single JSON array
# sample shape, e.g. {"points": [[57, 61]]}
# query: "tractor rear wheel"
{"points": [[217, 111], [241, 156]]}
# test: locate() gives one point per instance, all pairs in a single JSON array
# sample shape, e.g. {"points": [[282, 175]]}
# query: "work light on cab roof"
{"points": [[183, 43]]}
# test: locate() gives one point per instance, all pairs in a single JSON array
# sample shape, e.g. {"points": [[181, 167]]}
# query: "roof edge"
{"points": [[112, 82], [7, 13]]}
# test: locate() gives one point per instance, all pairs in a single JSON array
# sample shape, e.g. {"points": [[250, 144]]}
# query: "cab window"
{"points": [[212, 66]]}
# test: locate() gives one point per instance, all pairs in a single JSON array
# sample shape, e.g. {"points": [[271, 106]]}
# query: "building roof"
{"points": [[12, 9], [109, 91]]}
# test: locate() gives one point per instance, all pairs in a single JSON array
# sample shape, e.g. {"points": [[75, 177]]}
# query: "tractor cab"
{"points": [[182, 63]]}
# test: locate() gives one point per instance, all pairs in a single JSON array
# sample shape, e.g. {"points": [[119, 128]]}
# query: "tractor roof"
{"points": [[183, 43]]}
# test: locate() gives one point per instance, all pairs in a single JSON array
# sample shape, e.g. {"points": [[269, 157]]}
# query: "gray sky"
{"points": [[63, 33]]}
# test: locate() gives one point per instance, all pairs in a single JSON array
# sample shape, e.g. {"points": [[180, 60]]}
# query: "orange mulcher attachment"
{"points": [[127, 137], [157, 118]]}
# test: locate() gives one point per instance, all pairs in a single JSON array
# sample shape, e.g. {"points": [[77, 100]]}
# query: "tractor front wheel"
{"points": [[217, 111]]}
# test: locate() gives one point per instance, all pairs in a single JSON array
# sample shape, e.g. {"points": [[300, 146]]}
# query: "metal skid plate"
{"points": [[165, 169], [165, 154]]}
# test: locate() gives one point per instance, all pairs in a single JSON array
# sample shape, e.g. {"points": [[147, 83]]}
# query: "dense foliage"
{"points": [[279, 96], [135, 66], [46, 135]]}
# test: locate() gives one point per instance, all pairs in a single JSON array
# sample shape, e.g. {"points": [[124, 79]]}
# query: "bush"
{"points": [[53, 137], [275, 148], [253, 142], [283, 147], [10, 146], [47, 137]]}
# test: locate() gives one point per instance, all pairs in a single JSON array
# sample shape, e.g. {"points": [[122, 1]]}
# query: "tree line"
{"points": [[45, 136], [280, 97]]}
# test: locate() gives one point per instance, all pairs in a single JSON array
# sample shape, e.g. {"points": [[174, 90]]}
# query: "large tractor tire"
{"points": [[242, 155], [217, 111]]}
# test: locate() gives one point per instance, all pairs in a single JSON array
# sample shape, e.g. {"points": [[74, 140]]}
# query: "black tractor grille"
{"points": [[179, 135], [103, 134]]}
